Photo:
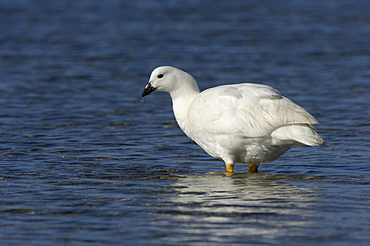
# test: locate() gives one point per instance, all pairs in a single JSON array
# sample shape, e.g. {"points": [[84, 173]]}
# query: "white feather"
{"points": [[248, 123]]}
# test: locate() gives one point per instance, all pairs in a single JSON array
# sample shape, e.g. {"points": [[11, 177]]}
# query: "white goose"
{"points": [[245, 123]]}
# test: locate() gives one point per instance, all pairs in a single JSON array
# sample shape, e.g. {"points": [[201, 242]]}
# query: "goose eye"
{"points": [[160, 76]]}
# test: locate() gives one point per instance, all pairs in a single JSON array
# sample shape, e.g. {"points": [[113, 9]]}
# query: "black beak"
{"points": [[147, 90]]}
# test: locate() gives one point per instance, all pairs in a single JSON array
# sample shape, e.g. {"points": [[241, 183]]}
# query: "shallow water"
{"points": [[83, 161]]}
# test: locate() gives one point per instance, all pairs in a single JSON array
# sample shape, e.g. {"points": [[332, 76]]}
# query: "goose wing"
{"points": [[251, 109]]}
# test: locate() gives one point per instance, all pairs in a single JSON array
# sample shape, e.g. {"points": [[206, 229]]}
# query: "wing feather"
{"points": [[252, 109]]}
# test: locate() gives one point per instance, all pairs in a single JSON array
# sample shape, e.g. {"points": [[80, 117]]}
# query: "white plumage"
{"points": [[246, 123]]}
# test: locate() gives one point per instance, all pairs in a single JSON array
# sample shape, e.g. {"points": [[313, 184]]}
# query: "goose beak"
{"points": [[148, 89]]}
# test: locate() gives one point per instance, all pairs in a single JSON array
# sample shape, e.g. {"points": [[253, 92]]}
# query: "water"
{"points": [[84, 162]]}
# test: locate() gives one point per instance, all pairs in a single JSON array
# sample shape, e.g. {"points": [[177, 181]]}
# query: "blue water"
{"points": [[84, 162]]}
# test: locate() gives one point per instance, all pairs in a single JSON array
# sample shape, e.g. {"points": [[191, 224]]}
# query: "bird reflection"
{"points": [[263, 203]]}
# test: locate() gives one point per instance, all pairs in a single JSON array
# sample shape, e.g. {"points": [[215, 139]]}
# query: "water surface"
{"points": [[84, 162]]}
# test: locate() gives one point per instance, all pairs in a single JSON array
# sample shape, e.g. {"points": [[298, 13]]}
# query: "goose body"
{"points": [[245, 123]]}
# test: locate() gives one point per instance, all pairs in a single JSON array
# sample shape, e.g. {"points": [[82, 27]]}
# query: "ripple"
{"points": [[83, 161]]}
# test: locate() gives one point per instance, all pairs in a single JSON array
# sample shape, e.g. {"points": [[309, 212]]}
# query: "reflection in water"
{"points": [[241, 206]]}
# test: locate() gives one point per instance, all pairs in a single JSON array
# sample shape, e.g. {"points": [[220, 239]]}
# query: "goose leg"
{"points": [[229, 167], [253, 168]]}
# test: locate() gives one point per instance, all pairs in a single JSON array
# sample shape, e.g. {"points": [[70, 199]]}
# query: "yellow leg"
{"points": [[229, 167], [253, 168]]}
